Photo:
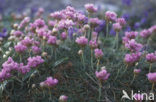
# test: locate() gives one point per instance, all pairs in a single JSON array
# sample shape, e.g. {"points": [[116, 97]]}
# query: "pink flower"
{"points": [[102, 75], [56, 15], [137, 71], [93, 44], [49, 82], [132, 58], [110, 16], [82, 41], [145, 33], [91, 8], [18, 33], [27, 41], [125, 40], [52, 40], [117, 27], [35, 61], [131, 35], [138, 97], [63, 98], [133, 45], [152, 77], [51, 23], [151, 57], [24, 22], [20, 48], [121, 21], [65, 24], [63, 35], [98, 53], [36, 49], [23, 69], [39, 23], [94, 22], [8, 67]]}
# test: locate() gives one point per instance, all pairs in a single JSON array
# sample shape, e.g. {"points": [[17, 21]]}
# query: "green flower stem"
{"points": [[92, 59], [83, 62], [100, 87], [107, 29], [150, 67], [98, 63], [153, 86], [133, 79]]}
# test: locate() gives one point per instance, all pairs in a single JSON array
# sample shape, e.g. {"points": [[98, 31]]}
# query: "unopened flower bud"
{"points": [[63, 98], [80, 52], [86, 27], [4, 56], [44, 54]]}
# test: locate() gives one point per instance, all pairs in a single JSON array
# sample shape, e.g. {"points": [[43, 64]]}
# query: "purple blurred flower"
{"points": [[3, 34]]}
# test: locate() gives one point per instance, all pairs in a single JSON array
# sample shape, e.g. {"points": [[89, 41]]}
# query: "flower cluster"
{"points": [[98, 53], [152, 77], [151, 57], [102, 75], [35, 61], [130, 59], [49, 82]]}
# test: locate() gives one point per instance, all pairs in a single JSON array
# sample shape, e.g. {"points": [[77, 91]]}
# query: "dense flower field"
{"points": [[70, 56]]}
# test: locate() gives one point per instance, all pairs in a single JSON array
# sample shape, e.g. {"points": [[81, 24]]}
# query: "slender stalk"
{"points": [[83, 60], [98, 62], [92, 59], [153, 86], [107, 28], [100, 87], [133, 79], [50, 94], [150, 67]]}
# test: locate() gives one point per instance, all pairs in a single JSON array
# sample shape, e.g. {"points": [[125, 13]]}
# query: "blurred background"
{"points": [[139, 13]]}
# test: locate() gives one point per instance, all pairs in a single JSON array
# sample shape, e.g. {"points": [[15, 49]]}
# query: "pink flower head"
{"points": [[4, 74], [51, 23], [151, 57], [35, 61], [27, 41], [65, 24], [110, 16], [23, 68], [20, 48], [91, 8], [82, 41], [102, 75], [131, 35], [52, 40], [137, 71], [133, 45], [81, 18], [63, 35], [121, 21], [32, 27], [153, 29], [63, 98], [132, 58], [125, 40], [152, 77], [24, 22], [50, 82], [10, 65], [94, 22], [39, 23], [56, 15], [94, 35], [36, 49], [18, 33], [117, 27], [138, 97], [98, 53], [93, 44], [145, 33]]}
